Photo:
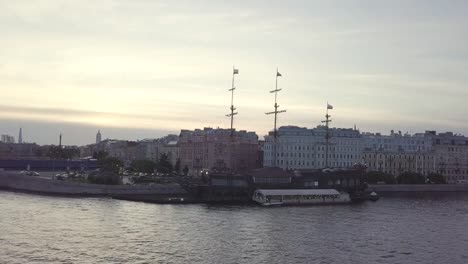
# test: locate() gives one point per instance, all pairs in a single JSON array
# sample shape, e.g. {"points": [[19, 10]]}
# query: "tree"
{"points": [[164, 165], [177, 166], [54, 152], [57, 152], [108, 178], [379, 176], [111, 164], [146, 166], [436, 178], [100, 155], [411, 178], [186, 169]]}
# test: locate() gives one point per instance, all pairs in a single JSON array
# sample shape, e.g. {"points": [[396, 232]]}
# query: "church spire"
{"points": [[98, 137], [20, 136]]}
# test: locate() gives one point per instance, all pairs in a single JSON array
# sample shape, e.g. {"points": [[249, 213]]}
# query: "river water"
{"points": [[42, 229]]}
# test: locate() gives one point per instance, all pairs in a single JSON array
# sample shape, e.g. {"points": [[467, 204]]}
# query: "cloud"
{"points": [[166, 64]]}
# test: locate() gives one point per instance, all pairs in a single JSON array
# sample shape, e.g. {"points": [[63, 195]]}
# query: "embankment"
{"points": [[154, 192], [408, 189]]}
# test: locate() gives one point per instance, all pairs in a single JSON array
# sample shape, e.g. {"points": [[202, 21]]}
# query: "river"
{"points": [[43, 229]]}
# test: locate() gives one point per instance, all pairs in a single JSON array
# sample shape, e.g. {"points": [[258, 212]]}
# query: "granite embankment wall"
{"points": [[418, 188], [40, 185]]}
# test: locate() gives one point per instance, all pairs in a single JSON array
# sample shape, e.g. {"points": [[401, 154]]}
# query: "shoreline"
{"points": [[174, 194]]}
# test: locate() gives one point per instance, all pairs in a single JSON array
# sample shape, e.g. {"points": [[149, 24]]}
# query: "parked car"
{"points": [[30, 173]]}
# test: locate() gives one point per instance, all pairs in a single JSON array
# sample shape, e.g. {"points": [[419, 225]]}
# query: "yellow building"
{"points": [[397, 163]]}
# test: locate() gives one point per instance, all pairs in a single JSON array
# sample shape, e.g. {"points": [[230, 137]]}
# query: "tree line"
{"points": [[163, 165], [375, 177]]}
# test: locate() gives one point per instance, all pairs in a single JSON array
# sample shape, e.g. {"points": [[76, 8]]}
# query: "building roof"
{"points": [[298, 192]]}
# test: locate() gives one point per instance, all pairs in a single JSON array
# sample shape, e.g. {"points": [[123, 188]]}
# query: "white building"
{"points": [[152, 149], [303, 148], [8, 139], [396, 142]]}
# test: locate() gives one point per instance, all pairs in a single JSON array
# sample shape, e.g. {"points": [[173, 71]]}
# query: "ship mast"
{"points": [[232, 114], [327, 121], [276, 112]]}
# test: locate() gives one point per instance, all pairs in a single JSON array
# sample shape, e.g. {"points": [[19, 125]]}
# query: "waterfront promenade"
{"points": [[395, 189], [155, 192]]}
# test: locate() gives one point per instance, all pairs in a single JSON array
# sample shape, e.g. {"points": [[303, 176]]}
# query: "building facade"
{"points": [[451, 156], [303, 148], [7, 139], [398, 142], [18, 151], [152, 149], [398, 153], [122, 149], [396, 163], [218, 148]]}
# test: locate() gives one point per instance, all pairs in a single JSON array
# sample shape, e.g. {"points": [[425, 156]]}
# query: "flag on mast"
{"points": [[278, 74], [329, 106], [235, 71]]}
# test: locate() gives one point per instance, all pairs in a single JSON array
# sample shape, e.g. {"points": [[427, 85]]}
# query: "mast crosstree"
{"points": [[232, 114], [327, 121], [276, 112]]}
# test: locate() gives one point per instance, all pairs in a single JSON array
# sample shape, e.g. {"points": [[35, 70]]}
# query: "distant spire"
{"points": [[20, 136], [60, 140], [98, 137]]}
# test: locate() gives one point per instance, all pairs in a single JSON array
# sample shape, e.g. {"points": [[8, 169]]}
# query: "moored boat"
{"points": [[269, 197]]}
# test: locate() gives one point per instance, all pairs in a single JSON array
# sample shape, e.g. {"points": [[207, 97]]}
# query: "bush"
{"points": [[108, 178], [436, 178], [146, 166], [374, 177], [411, 178]]}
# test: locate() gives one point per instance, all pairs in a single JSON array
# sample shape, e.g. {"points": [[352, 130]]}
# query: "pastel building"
{"points": [[451, 156], [398, 153], [208, 148], [304, 148]]}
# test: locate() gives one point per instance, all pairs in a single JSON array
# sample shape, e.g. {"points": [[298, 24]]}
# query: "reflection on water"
{"points": [[41, 229]]}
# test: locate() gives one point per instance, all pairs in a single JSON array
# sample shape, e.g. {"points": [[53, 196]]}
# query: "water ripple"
{"points": [[41, 229]]}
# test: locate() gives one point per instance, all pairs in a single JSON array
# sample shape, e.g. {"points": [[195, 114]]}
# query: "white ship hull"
{"points": [[278, 197]]}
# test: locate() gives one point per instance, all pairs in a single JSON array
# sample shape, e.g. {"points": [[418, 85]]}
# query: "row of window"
{"points": [[319, 148], [380, 156], [313, 156], [297, 164]]}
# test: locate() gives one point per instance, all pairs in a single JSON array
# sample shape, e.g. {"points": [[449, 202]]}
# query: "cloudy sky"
{"points": [[139, 69]]}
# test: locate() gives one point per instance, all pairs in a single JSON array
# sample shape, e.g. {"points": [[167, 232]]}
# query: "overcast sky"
{"points": [[138, 69]]}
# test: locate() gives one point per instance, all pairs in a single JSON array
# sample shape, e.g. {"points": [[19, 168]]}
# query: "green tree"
{"points": [[146, 166], [164, 165], [374, 177], [436, 178], [411, 178]]}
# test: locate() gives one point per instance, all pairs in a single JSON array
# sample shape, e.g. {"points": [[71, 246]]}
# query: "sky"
{"points": [[142, 69]]}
